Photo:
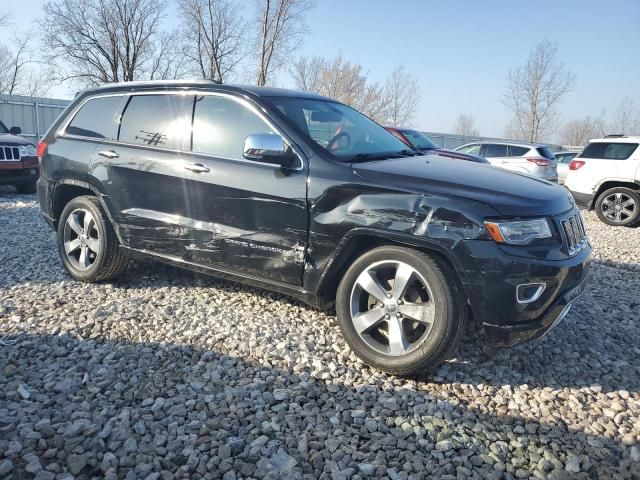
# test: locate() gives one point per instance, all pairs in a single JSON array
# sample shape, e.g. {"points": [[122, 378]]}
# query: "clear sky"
{"points": [[460, 51]]}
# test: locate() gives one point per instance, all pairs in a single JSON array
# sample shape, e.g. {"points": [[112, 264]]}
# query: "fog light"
{"points": [[529, 292]]}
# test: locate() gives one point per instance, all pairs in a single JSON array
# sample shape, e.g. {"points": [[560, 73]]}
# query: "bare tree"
{"points": [[281, 27], [465, 126], [212, 39], [19, 73], [579, 132], [307, 74], [535, 89], [4, 19], [402, 97], [100, 41], [626, 119]]}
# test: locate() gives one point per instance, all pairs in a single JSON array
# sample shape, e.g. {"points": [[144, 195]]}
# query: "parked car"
{"points": [[421, 142], [231, 181], [532, 158], [18, 160], [605, 176], [564, 159]]}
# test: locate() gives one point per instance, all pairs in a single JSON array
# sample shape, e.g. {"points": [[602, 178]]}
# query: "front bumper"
{"points": [[493, 274], [19, 172], [498, 336]]}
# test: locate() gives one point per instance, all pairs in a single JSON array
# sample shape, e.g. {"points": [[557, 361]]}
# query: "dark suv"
{"points": [[18, 160], [303, 195]]}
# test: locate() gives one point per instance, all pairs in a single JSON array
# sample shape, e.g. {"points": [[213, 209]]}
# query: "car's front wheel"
{"points": [[87, 242], [399, 310], [619, 206]]}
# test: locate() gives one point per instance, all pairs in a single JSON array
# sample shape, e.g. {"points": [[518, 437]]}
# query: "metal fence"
{"points": [[33, 115]]}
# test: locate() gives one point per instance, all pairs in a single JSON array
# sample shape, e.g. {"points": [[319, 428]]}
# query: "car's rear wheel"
{"points": [[87, 242], [619, 206], [399, 310], [26, 188]]}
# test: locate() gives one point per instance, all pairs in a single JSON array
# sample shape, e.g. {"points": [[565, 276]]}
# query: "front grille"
{"points": [[575, 236], [11, 154]]}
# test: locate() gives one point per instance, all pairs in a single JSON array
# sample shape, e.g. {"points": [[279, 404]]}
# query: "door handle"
{"points": [[196, 168], [108, 153]]}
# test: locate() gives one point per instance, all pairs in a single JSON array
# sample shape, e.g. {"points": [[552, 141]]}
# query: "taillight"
{"points": [[576, 164], [42, 148], [541, 162]]}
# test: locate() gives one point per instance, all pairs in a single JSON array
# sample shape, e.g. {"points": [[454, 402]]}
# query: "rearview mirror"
{"points": [[269, 148], [15, 130]]}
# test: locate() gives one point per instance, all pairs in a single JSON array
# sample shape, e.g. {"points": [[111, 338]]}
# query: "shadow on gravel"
{"points": [[66, 402]]}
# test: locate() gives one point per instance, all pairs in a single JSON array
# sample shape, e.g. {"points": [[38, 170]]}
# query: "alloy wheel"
{"points": [[392, 307], [81, 239], [618, 207]]}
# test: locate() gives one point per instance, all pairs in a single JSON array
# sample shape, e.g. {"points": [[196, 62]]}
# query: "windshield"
{"points": [[342, 131], [3, 129], [419, 140]]}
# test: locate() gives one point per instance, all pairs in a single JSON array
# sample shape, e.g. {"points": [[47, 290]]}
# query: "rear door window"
{"points": [[97, 118], [162, 121], [609, 151], [495, 150], [221, 125], [515, 151]]}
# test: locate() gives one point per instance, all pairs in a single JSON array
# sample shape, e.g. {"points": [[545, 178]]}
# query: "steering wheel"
{"points": [[332, 145]]}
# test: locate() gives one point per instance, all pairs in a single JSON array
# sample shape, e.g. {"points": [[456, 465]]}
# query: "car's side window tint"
{"points": [[158, 121], [97, 118], [221, 125], [472, 149], [493, 150]]}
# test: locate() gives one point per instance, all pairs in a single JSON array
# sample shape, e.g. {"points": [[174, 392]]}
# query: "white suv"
{"points": [[606, 176], [535, 159]]}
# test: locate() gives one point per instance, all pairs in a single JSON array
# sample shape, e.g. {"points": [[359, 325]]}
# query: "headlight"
{"points": [[28, 151], [518, 232]]}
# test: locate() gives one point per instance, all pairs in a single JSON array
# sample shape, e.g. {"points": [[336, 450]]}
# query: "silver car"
{"points": [[535, 159], [564, 159]]}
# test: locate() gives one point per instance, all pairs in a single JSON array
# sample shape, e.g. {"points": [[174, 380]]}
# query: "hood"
{"points": [[8, 139], [511, 194]]}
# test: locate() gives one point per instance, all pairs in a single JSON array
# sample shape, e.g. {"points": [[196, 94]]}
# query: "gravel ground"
{"points": [[170, 374]]}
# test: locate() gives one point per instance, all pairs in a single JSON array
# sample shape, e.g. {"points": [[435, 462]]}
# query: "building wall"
{"points": [[33, 115]]}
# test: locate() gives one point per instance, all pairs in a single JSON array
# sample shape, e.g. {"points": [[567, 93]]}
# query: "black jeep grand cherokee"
{"points": [[300, 194]]}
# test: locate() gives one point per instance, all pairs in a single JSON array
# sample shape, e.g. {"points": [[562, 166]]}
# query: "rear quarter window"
{"points": [[97, 118], [609, 151]]}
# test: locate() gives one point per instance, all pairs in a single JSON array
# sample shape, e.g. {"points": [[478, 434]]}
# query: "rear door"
{"points": [[145, 172]]}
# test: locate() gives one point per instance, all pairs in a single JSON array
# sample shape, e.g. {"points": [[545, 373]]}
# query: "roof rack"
{"points": [[615, 135]]}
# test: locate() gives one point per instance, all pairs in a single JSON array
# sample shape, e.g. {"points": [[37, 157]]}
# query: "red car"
{"points": [[419, 141], [18, 160]]}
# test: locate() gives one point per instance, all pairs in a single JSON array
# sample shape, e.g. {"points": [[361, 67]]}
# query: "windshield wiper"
{"points": [[362, 157]]}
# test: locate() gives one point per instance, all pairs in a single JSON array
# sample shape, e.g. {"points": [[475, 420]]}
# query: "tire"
{"points": [[619, 207], [104, 259], [26, 188], [417, 353]]}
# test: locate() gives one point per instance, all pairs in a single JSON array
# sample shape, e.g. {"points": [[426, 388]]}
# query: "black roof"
{"points": [[201, 85]]}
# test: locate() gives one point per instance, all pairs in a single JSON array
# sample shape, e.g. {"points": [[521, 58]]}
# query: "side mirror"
{"points": [[15, 130], [269, 148]]}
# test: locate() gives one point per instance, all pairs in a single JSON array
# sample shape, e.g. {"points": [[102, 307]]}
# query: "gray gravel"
{"points": [[169, 374]]}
